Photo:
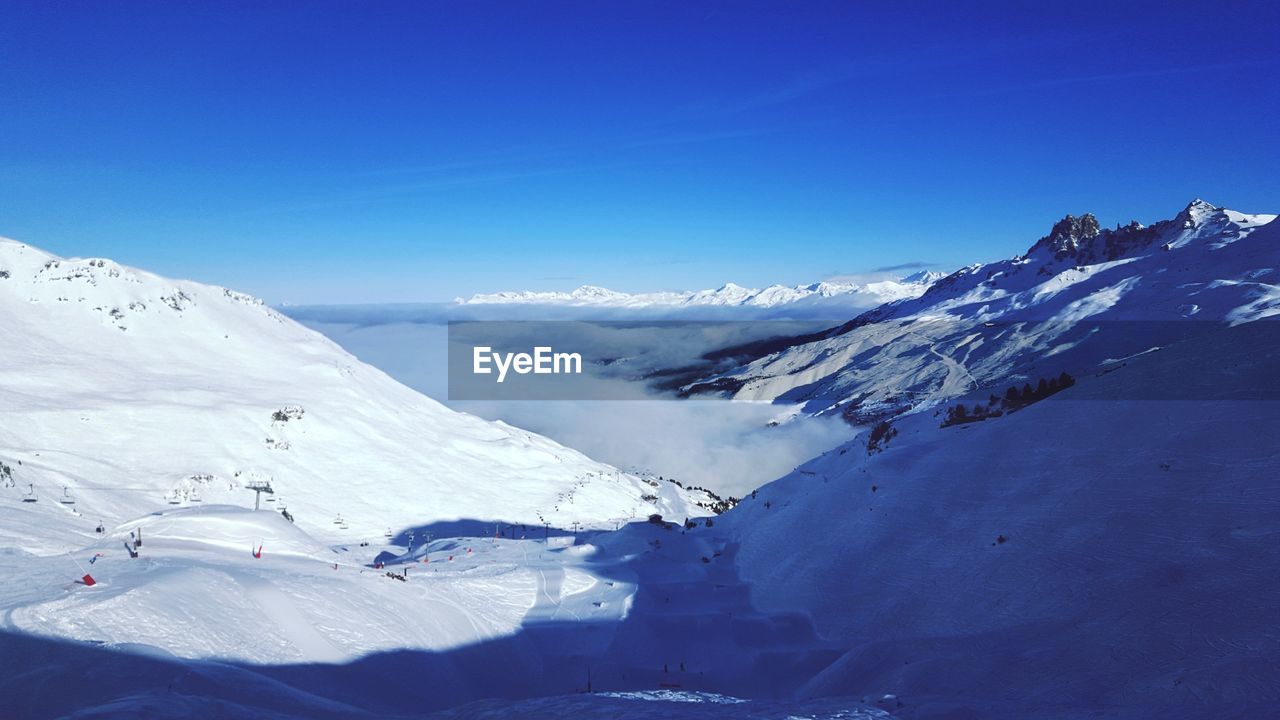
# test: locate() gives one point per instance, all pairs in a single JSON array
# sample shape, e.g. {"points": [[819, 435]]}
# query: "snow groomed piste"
{"points": [[654, 605]]}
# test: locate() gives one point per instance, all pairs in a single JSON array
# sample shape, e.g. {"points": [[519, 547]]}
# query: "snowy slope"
{"points": [[650, 614], [1090, 555], [128, 392], [198, 592], [1077, 298], [729, 295]]}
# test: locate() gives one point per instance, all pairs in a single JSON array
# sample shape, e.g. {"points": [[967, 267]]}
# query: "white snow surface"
{"points": [[128, 392], [198, 591], [1094, 554], [651, 614]]}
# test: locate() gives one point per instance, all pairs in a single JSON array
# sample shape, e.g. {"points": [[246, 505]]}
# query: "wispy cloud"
{"points": [[889, 65], [667, 261], [913, 265], [392, 183], [884, 272], [1052, 83], [466, 180], [572, 153], [439, 180]]}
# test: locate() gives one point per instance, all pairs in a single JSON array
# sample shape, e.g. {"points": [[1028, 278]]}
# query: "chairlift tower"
{"points": [[259, 487]]}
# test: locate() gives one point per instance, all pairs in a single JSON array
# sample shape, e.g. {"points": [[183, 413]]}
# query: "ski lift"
{"points": [[387, 533], [259, 487], [31, 494], [66, 498]]}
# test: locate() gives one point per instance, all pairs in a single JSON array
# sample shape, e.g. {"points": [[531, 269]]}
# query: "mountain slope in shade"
{"points": [[728, 295], [128, 392], [1094, 554], [1078, 298]]}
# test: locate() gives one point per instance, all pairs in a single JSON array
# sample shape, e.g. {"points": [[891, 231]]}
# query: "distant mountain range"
{"points": [[1067, 304], [728, 295]]}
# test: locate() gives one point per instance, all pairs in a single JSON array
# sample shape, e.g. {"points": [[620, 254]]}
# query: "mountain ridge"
{"points": [[727, 295], [987, 324]]}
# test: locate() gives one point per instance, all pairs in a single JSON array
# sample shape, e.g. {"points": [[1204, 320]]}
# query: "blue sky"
{"points": [[382, 152]]}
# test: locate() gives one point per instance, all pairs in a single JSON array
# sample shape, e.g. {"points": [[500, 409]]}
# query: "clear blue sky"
{"points": [[384, 151]]}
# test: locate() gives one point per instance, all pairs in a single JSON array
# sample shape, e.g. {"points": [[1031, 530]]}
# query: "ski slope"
{"points": [[126, 392], [198, 591], [244, 611]]}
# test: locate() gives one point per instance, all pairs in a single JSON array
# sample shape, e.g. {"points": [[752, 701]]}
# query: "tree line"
{"points": [[1014, 398]]}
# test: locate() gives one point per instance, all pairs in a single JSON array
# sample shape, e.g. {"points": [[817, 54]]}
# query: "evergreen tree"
{"points": [[955, 414]]}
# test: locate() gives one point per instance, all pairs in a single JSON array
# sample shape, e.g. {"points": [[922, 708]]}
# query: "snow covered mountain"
{"points": [[124, 392], [1085, 550], [1103, 547], [1096, 553], [1098, 543], [1080, 299], [728, 295]]}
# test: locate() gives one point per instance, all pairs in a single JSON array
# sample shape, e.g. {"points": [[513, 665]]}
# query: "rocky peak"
{"points": [[1196, 213], [1067, 235]]}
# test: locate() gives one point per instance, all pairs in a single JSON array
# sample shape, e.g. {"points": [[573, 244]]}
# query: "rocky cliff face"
{"points": [[1067, 235]]}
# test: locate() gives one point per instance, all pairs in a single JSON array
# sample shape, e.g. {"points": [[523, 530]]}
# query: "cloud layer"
{"points": [[728, 447]]}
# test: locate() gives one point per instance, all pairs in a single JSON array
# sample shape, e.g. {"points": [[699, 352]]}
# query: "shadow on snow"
{"points": [[690, 626]]}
